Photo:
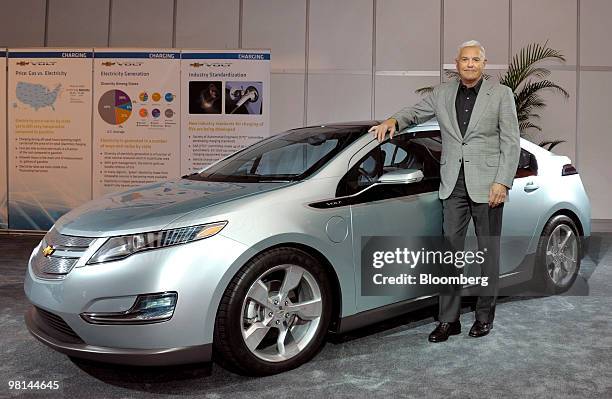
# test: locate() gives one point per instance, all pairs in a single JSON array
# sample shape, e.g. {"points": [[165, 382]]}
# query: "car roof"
{"points": [[365, 125], [368, 123]]}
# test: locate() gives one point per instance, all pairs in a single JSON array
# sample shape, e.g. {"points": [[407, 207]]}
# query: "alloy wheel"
{"points": [[561, 254], [281, 313]]}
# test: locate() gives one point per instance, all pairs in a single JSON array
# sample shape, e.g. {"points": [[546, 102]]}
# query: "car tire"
{"points": [[244, 317], [555, 273]]}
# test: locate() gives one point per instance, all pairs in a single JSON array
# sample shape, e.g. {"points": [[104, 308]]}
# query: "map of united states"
{"points": [[36, 95]]}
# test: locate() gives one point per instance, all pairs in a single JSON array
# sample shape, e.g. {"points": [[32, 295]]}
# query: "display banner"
{"points": [[225, 101], [3, 171], [49, 140], [136, 122]]}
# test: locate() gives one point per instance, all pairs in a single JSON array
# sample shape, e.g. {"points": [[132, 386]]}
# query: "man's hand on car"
{"points": [[380, 130]]}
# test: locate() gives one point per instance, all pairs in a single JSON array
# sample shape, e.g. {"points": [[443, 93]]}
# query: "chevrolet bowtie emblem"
{"points": [[108, 63], [196, 64], [48, 251]]}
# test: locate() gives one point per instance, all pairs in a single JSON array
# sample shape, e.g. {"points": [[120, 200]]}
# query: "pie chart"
{"points": [[115, 107]]}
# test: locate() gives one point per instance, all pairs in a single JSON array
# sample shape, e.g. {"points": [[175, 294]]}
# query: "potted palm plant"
{"points": [[527, 80]]}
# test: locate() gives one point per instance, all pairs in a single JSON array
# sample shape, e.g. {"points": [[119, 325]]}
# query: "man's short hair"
{"points": [[472, 43]]}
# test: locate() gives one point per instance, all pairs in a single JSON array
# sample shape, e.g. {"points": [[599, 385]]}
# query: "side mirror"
{"points": [[402, 176]]}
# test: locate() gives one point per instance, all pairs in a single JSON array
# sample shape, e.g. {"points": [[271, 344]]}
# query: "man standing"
{"points": [[480, 153]]}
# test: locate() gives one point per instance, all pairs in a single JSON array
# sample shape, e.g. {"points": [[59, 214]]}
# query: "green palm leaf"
{"points": [[522, 66], [424, 90], [524, 125], [530, 89], [450, 75], [550, 144]]}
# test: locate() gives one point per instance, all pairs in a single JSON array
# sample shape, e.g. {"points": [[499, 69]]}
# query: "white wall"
{"points": [[207, 23], [280, 25], [338, 60]]}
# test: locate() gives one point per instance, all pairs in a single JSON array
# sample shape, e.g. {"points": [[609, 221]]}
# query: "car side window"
{"points": [[430, 149], [402, 152], [527, 166]]}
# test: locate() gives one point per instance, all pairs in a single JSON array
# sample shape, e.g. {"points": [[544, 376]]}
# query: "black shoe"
{"points": [[444, 330], [480, 329]]}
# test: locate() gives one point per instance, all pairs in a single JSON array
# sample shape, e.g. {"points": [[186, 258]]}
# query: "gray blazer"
{"points": [[490, 147]]}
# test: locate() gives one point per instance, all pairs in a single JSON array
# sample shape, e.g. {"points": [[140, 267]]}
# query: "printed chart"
{"points": [[115, 107]]}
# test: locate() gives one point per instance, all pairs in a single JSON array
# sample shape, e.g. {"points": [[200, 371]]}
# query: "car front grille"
{"points": [[59, 240], [51, 265], [55, 326], [67, 250]]}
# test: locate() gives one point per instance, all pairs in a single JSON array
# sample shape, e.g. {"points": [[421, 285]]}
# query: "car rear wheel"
{"points": [[274, 314], [558, 259]]}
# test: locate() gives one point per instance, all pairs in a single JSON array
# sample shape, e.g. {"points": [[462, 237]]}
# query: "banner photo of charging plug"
{"points": [[243, 98]]}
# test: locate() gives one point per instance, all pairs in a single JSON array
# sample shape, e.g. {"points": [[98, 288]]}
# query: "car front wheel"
{"points": [[274, 314]]}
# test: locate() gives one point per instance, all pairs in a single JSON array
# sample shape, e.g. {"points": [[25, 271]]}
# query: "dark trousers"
{"points": [[458, 209]]}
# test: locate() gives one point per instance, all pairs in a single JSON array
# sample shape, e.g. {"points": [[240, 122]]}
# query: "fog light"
{"points": [[149, 308]]}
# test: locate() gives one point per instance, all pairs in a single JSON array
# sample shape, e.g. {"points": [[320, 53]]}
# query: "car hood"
{"points": [[151, 207]]}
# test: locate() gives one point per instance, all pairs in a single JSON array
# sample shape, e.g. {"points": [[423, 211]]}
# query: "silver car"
{"points": [[255, 258]]}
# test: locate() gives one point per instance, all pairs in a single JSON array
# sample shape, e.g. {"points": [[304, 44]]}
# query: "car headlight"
{"points": [[121, 247]]}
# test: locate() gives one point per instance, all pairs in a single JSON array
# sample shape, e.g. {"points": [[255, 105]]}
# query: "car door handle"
{"points": [[531, 186]]}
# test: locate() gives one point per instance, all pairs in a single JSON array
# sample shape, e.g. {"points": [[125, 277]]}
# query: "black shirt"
{"points": [[464, 104]]}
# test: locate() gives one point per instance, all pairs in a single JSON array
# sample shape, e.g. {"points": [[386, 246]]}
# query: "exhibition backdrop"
{"points": [[136, 124], [49, 156], [82, 123]]}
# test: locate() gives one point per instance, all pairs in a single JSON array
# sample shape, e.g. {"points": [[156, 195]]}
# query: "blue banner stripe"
{"points": [[226, 56], [151, 55], [53, 54], [160, 55]]}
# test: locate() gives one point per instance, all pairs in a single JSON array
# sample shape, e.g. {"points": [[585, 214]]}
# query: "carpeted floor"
{"points": [[541, 347]]}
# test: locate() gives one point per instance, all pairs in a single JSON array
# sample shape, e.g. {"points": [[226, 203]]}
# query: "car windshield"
{"points": [[289, 156]]}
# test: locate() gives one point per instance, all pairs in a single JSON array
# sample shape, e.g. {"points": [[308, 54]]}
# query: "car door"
{"points": [[521, 213], [405, 210]]}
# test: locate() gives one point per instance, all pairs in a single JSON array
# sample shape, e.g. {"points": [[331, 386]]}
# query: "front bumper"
{"points": [[132, 357], [197, 271]]}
